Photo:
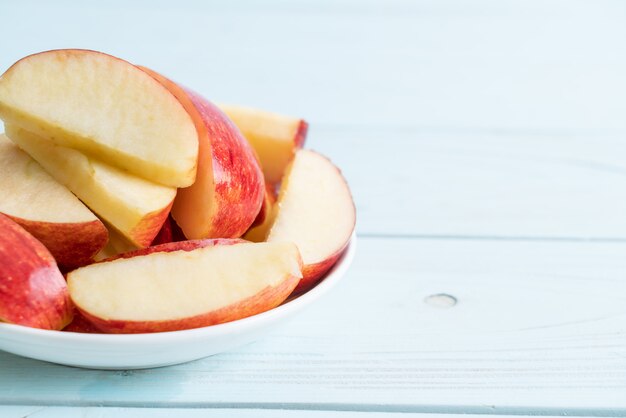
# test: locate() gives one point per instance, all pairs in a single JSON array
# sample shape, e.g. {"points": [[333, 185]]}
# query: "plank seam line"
{"points": [[344, 407], [443, 237], [467, 130]]}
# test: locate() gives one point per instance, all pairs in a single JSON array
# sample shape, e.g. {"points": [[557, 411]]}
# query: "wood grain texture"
{"points": [[512, 64], [456, 185], [538, 328], [104, 412]]}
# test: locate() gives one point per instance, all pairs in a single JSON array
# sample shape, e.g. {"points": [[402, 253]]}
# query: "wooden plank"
{"points": [[545, 65], [103, 412], [538, 328], [495, 119], [457, 185]]}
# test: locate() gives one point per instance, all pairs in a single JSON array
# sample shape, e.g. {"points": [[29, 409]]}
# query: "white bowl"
{"points": [[137, 351]]}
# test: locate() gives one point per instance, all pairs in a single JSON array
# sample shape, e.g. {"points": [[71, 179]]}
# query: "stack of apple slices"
{"points": [[164, 211], [46, 209]]}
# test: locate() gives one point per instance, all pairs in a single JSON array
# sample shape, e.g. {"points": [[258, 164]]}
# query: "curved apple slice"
{"points": [[316, 212], [274, 137], [185, 285], [104, 107], [136, 207], [228, 192], [33, 292], [46, 209]]}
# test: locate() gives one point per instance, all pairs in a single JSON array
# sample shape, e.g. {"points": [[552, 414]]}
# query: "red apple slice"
{"points": [[274, 137], [228, 192], [134, 206], [104, 107], [185, 285], [46, 209], [315, 211], [33, 292]]}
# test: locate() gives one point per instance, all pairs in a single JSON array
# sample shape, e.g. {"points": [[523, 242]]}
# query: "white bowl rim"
{"points": [[329, 281]]}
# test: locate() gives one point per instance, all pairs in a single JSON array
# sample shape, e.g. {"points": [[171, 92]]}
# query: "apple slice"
{"points": [[104, 107], [46, 209], [33, 292], [185, 285], [135, 207], [264, 220], [274, 137], [315, 211], [228, 192]]}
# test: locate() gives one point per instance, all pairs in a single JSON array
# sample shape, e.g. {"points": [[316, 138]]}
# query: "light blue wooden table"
{"points": [[485, 143]]}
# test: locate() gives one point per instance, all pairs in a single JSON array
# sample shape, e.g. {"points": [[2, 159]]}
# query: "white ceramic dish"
{"points": [[100, 351]]}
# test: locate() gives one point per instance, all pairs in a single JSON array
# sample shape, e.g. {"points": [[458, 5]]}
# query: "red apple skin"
{"points": [[237, 176], [177, 233], [165, 234], [269, 200], [239, 184], [33, 291], [144, 233], [81, 325], [267, 299], [314, 273], [262, 215], [72, 245], [301, 133], [168, 247], [169, 232]]}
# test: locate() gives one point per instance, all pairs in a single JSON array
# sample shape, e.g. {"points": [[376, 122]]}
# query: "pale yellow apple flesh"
{"points": [[105, 107], [316, 212], [274, 137], [134, 206], [164, 291], [118, 244], [107, 252], [47, 209], [258, 232], [27, 191]]}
